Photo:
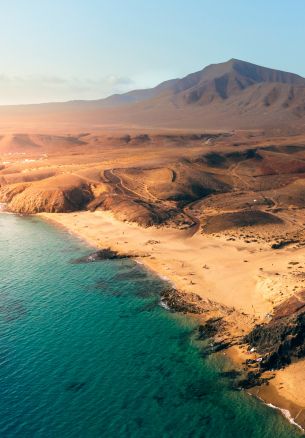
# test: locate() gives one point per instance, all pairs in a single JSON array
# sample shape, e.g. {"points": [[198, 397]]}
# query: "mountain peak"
{"points": [[239, 61], [256, 72], [236, 87], [232, 94]]}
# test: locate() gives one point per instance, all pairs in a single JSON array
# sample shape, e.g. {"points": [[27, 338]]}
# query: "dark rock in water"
{"points": [[279, 341], [210, 328], [209, 331], [219, 346], [239, 380], [252, 379], [102, 254], [75, 386], [131, 274], [231, 374], [215, 347], [177, 302]]}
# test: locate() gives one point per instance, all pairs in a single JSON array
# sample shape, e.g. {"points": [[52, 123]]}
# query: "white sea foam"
{"points": [[285, 412], [287, 415], [164, 305], [163, 277]]}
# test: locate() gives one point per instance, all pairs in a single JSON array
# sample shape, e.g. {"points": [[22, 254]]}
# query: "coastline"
{"points": [[192, 265], [273, 394]]}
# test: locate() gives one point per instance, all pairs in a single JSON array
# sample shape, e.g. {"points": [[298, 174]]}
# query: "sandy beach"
{"points": [[247, 278]]}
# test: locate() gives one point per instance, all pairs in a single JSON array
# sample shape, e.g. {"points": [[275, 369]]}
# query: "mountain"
{"points": [[214, 81], [229, 95]]}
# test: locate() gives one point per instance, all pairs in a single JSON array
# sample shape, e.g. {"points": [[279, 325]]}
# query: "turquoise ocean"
{"points": [[86, 351]]}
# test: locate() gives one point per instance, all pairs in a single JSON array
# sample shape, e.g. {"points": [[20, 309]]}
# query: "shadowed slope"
{"points": [[233, 94]]}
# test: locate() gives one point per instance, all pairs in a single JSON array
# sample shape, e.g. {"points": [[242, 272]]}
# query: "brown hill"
{"points": [[57, 194], [246, 218]]}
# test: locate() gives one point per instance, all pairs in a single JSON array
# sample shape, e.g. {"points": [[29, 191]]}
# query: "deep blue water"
{"points": [[86, 351]]}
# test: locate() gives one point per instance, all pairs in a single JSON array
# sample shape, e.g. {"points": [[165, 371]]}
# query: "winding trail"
{"points": [[120, 188], [196, 225], [110, 177]]}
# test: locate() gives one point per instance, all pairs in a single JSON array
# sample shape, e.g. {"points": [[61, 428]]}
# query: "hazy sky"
{"points": [[53, 50]]}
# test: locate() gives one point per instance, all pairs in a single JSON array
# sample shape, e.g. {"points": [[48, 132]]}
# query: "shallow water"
{"points": [[86, 351]]}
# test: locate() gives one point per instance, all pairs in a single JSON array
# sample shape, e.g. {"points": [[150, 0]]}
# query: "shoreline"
{"points": [[269, 394], [80, 224]]}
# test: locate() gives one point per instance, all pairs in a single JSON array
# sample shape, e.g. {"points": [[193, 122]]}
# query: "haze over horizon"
{"points": [[70, 50]]}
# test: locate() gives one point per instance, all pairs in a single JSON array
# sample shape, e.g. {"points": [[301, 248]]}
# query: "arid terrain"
{"points": [[230, 95], [218, 211]]}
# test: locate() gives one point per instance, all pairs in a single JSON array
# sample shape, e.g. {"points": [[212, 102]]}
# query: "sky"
{"points": [[58, 50]]}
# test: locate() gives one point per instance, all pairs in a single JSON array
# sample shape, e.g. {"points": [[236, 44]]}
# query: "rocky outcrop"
{"points": [[251, 379], [102, 254], [63, 193], [179, 301], [7, 192], [211, 328], [281, 340]]}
